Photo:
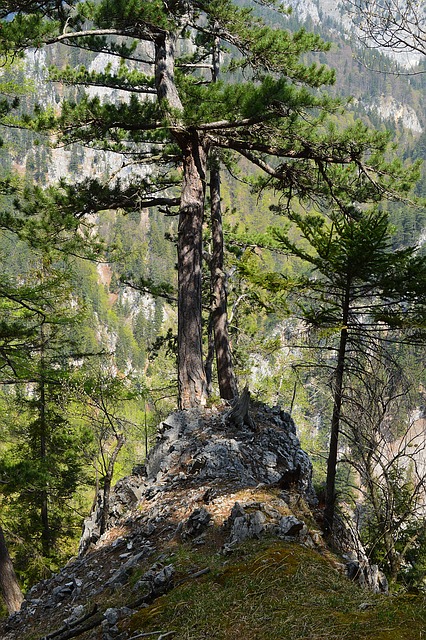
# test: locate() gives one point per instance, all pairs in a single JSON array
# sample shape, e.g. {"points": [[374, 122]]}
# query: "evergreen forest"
{"points": [[198, 199]]}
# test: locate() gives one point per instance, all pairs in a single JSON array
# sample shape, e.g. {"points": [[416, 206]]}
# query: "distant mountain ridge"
{"points": [[320, 11]]}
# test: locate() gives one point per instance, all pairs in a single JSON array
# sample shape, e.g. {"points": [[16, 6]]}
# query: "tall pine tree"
{"points": [[359, 294], [166, 111]]}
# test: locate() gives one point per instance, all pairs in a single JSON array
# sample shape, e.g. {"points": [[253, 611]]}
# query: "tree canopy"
{"points": [[155, 103], [359, 294], [180, 91]]}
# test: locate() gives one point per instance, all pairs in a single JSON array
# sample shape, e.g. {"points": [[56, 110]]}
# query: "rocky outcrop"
{"points": [[207, 479], [216, 448], [200, 447]]}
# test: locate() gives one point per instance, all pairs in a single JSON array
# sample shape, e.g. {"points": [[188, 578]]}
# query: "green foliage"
{"points": [[395, 517], [274, 117], [352, 298], [353, 252]]}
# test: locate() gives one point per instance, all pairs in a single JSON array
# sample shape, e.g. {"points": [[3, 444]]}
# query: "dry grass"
{"points": [[274, 590]]}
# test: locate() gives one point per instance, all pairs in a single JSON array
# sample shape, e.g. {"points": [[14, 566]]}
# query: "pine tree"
{"points": [[42, 465], [219, 294], [277, 120], [41, 462], [359, 290]]}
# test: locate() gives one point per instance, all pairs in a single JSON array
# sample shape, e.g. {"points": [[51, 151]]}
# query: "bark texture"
{"points": [[219, 306], [8, 582], [167, 92], [225, 371], [330, 493], [191, 374]]}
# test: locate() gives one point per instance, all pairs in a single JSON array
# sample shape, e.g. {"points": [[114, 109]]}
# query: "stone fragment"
{"points": [[112, 616], [76, 613], [156, 580], [196, 524], [244, 525], [366, 575], [121, 575], [290, 526]]}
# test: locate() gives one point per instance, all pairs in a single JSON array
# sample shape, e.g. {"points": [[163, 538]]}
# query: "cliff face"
{"points": [[211, 485], [339, 11]]}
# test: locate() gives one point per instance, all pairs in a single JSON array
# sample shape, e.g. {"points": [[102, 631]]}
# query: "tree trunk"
{"points": [[45, 524], [219, 309], [208, 365], [191, 374], [330, 491], [219, 306], [44, 506], [9, 586], [239, 414], [107, 483], [165, 85]]}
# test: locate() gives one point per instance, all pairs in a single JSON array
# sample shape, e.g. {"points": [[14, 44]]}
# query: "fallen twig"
{"points": [[71, 624], [153, 633], [72, 630], [65, 633]]}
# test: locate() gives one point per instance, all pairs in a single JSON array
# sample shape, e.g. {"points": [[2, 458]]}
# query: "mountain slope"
{"points": [[216, 538]]}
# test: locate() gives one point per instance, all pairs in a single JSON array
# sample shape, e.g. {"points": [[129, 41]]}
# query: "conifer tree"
{"points": [[166, 112], [219, 294], [360, 291], [42, 465], [42, 458]]}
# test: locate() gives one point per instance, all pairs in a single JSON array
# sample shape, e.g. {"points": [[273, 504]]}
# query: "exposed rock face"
{"points": [[256, 519], [199, 447], [204, 475], [215, 448]]}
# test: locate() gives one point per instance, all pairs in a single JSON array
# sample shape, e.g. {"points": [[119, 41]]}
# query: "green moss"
{"points": [[273, 590]]}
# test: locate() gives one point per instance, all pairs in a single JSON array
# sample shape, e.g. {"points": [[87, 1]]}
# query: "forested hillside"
{"points": [[193, 202]]}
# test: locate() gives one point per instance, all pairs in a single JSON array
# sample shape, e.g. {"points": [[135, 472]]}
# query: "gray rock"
{"points": [[238, 454], [61, 591], [156, 580], [124, 497], [112, 616], [196, 445], [245, 525], [75, 614], [162, 580], [199, 459], [196, 524], [367, 576], [109, 632], [379, 581], [290, 526], [121, 575]]}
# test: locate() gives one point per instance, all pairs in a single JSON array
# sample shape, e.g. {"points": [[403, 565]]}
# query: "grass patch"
{"points": [[274, 590]]}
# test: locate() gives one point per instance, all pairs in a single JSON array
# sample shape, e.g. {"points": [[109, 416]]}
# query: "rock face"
{"points": [[206, 476], [201, 447], [216, 449]]}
